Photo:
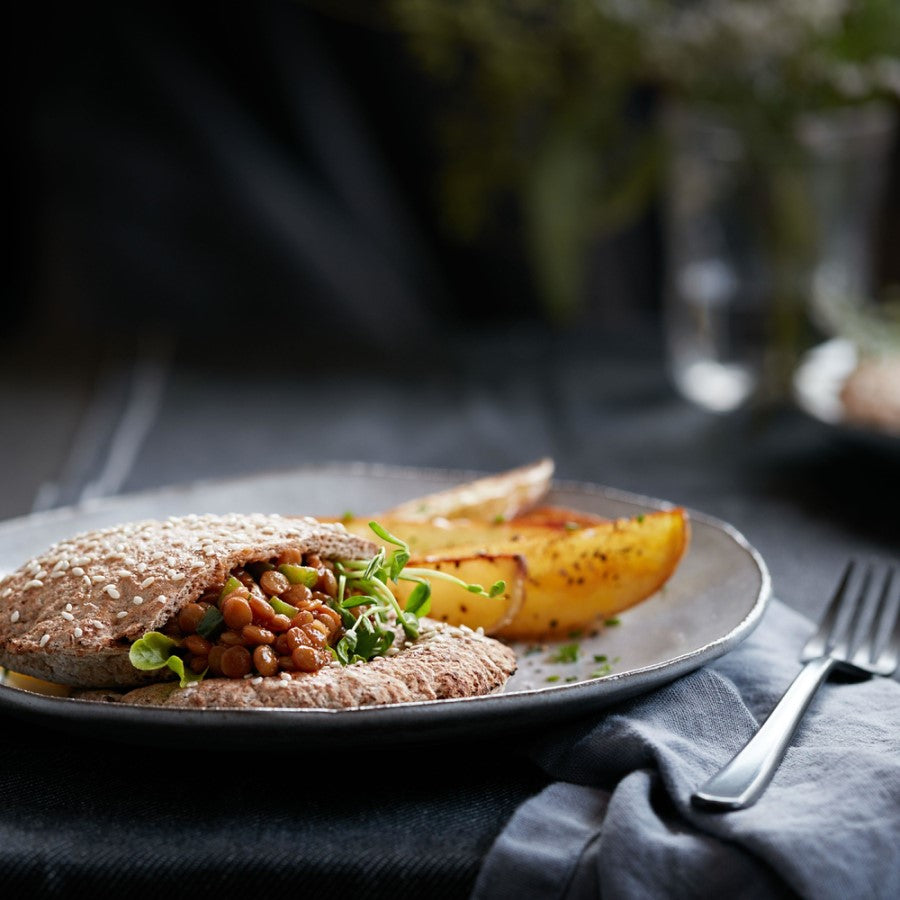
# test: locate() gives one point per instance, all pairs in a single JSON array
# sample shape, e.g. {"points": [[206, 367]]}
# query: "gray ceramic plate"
{"points": [[714, 601]]}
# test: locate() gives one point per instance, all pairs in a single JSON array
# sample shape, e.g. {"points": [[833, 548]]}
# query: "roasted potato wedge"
{"points": [[486, 499], [576, 578], [35, 685], [454, 604], [580, 568]]}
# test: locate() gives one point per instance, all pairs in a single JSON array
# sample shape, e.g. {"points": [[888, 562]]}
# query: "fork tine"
{"points": [[818, 643], [849, 638], [889, 657], [869, 647]]}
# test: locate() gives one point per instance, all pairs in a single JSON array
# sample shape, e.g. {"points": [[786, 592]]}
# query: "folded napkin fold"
{"points": [[619, 822]]}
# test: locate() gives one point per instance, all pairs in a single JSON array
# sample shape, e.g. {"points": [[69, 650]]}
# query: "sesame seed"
{"points": [[83, 561], [125, 573], [256, 680], [161, 598], [96, 579], [78, 632], [141, 567], [87, 581], [284, 676], [147, 582], [44, 640], [121, 547], [61, 564], [113, 591], [121, 613], [77, 570], [7, 592], [178, 576], [171, 561], [137, 601], [41, 573], [14, 616], [59, 573], [68, 607], [67, 616], [35, 582]]}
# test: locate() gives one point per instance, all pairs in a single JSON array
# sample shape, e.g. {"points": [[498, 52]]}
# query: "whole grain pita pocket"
{"points": [[71, 615]]}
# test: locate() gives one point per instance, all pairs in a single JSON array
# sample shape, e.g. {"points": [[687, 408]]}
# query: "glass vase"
{"points": [[758, 225]]}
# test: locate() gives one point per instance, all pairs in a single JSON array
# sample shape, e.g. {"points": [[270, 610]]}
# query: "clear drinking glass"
{"points": [[762, 241]]}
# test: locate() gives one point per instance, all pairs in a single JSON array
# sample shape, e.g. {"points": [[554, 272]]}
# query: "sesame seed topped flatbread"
{"points": [[70, 614], [444, 662]]}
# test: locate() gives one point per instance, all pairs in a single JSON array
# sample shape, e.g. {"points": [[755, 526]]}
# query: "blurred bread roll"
{"points": [[871, 394]]}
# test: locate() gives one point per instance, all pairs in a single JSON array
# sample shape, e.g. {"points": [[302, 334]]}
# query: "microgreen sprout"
{"points": [[364, 585]]}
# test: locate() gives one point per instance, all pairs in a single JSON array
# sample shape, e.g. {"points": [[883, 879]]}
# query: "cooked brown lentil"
{"points": [[254, 637]]}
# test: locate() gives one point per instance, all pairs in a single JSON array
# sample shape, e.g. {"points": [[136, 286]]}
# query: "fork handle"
{"points": [[742, 781]]}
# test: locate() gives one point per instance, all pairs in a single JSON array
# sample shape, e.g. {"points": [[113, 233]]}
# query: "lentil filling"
{"points": [[268, 617]]}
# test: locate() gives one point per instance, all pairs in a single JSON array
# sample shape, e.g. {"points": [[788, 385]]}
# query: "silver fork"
{"points": [[844, 641]]}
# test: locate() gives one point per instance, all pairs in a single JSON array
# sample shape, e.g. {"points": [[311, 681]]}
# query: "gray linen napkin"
{"points": [[619, 822]]}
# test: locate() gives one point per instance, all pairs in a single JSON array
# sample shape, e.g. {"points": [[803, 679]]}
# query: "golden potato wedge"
{"points": [[577, 577], [486, 499], [558, 517], [580, 568], [35, 685], [454, 604], [428, 537]]}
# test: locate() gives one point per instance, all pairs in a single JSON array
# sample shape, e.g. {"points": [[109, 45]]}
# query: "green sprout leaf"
{"points": [[419, 601], [156, 651], [151, 651]]}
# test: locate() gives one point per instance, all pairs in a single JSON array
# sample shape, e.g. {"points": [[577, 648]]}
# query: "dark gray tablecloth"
{"points": [[91, 814]]}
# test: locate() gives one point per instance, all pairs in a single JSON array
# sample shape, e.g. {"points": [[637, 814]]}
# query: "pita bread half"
{"points": [[443, 663], [71, 614]]}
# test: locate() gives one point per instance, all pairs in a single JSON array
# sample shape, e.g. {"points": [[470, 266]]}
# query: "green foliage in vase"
{"points": [[540, 99]]}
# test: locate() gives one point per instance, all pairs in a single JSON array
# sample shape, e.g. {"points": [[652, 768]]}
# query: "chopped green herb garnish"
{"points": [[499, 519], [603, 670], [575, 635], [281, 608], [571, 678], [567, 653], [615, 620], [572, 526], [600, 657], [305, 575], [552, 678], [347, 517], [211, 622], [231, 585], [640, 518]]}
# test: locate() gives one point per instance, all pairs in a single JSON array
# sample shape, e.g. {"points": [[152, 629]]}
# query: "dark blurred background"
{"points": [[201, 166], [253, 235]]}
